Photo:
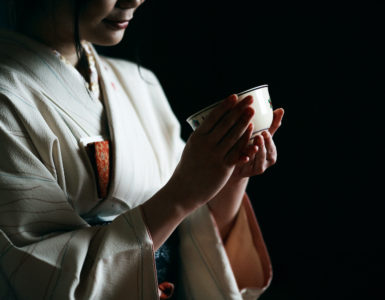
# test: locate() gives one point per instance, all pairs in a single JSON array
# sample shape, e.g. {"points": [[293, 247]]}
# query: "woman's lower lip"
{"points": [[116, 25]]}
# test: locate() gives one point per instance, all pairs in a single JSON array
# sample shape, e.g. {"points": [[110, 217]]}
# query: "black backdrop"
{"points": [[319, 207]]}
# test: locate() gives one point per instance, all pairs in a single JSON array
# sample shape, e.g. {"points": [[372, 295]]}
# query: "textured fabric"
{"points": [[49, 201], [92, 84], [102, 159]]}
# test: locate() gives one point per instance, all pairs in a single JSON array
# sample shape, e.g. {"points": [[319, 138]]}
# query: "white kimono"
{"points": [[48, 190]]}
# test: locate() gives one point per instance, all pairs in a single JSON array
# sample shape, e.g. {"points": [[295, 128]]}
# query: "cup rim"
{"points": [[216, 103], [252, 89]]}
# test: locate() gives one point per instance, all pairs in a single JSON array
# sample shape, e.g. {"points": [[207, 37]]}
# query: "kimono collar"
{"points": [[93, 84]]}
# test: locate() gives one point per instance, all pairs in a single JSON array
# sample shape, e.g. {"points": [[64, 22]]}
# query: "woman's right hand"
{"points": [[212, 152], [208, 160]]}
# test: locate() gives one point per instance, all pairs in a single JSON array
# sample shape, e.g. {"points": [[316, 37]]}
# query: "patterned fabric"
{"points": [[98, 151], [99, 155], [102, 160], [166, 290], [93, 73]]}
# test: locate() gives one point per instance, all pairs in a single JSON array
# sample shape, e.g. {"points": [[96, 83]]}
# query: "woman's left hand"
{"points": [[262, 154], [256, 158]]}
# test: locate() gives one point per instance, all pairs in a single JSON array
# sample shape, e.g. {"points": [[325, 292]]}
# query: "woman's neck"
{"points": [[53, 26], [62, 42]]}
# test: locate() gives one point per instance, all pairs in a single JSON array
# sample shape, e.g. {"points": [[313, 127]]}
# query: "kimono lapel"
{"points": [[134, 177], [133, 125], [53, 78], [113, 117]]}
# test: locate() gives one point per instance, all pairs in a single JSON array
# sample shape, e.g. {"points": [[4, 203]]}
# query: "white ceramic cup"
{"points": [[263, 110]]}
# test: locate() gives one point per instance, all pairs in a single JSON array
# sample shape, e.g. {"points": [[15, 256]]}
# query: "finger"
{"points": [[234, 122], [271, 150], [236, 132], [251, 150], [277, 120], [248, 152], [260, 157], [217, 113], [236, 153]]}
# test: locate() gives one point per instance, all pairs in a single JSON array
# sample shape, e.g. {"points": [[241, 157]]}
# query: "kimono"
{"points": [[59, 239]]}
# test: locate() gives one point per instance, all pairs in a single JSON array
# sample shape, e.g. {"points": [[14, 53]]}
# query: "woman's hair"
{"points": [[20, 10], [78, 6]]}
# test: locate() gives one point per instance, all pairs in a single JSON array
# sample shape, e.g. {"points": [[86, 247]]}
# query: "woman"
{"points": [[94, 177]]}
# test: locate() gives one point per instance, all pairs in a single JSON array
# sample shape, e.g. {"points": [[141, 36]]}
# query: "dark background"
{"points": [[321, 206]]}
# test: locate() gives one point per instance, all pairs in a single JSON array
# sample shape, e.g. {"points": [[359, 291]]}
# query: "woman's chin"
{"points": [[107, 39]]}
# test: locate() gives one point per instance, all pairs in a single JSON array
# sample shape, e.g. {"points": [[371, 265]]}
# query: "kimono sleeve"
{"points": [[47, 251], [211, 270]]}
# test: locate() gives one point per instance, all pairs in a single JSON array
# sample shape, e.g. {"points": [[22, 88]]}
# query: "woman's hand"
{"points": [[213, 151], [255, 159], [208, 160], [262, 154]]}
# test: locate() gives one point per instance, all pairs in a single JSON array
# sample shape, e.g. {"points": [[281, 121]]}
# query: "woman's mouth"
{"points": [[116, 24]]}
